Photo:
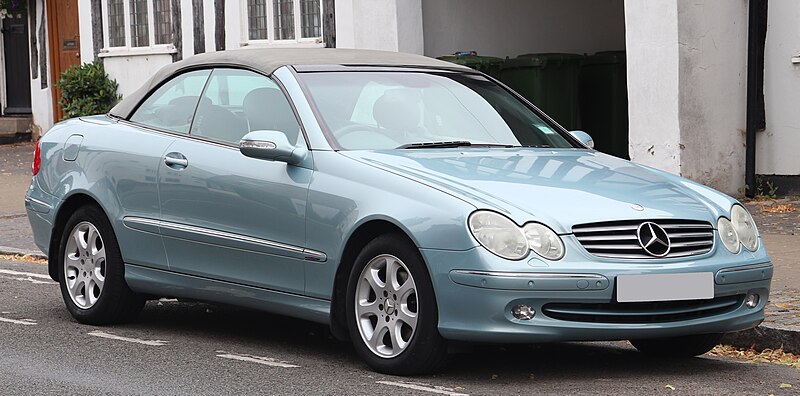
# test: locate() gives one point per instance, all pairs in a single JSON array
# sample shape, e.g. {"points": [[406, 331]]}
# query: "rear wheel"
{"points": [[91, 271], [391, 309], [683, 346]]}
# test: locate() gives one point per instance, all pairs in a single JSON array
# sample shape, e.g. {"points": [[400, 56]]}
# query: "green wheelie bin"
{"points": [[487, 64], [604, 101], [549, 81]]}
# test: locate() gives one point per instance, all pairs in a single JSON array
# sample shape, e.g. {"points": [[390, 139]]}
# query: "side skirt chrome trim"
{"points": [[308, 254]]}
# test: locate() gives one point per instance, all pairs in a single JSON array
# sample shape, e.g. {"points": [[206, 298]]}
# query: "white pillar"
{"points": [[651, 35], [391, 25], [687, 87]]}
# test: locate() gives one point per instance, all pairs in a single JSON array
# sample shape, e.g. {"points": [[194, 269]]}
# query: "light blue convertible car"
{"points": [[404, 201]]}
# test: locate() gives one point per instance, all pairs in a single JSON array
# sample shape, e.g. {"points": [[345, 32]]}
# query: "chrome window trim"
{"points": [[309, 254]]}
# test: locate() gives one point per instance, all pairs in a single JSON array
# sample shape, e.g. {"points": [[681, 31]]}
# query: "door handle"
{"points": [[176, 161]]}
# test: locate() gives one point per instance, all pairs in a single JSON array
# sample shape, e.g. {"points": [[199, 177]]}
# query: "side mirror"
{"points": [[583, 137], [272, 146]]}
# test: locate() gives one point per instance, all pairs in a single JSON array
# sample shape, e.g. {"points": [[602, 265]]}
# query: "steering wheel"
{"points": [[364, 137], [353, 128]]}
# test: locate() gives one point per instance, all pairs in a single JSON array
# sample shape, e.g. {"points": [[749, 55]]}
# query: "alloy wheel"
{"points": [[85, 265], [386, 306]]}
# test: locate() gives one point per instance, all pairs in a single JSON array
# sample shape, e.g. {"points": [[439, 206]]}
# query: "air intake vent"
{"points": [[642, 312], [625, 240]]}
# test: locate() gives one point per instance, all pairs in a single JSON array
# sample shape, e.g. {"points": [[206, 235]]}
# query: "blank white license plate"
{"points": [[665, 287]]}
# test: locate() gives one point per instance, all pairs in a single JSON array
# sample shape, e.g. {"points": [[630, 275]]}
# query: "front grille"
{"points": [[642, 312], [617, 239]]}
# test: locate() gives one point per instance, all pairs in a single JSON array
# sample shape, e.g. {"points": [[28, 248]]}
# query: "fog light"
{"points": [[523, 312], [752, 301]]}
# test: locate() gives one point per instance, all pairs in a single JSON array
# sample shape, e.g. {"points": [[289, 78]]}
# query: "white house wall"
{"points": [[131, 72], [513, 27], [778, 145], [132, 69], [41, 99]]}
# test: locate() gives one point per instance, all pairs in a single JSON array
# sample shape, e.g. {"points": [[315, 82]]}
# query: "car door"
{"points": [[230, 217], [145, 137]]}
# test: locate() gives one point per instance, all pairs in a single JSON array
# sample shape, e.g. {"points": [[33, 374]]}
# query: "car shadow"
{"points": [[255, 330]]}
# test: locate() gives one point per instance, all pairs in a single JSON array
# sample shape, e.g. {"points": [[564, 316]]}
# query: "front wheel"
{"points": [[683, 346], [91, 271], [392, 315]]}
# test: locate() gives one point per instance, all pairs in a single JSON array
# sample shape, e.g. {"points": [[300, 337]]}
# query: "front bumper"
{"points": [[476, 292]]}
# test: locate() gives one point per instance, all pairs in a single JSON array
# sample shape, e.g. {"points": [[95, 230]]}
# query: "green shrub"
{"points": [[87, 90]]}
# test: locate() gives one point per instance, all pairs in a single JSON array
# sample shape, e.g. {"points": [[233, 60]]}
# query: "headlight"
{"points": [[728, 235], [501, 236], [745, 227], [498, 234], [544, 241]]}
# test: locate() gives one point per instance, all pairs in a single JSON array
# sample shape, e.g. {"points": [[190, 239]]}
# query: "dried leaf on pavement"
{"points": [[776, 356], [23, 257], [779, 208]]}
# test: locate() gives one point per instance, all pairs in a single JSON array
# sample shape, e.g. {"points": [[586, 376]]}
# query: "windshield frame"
{"points": [[297, 71]]}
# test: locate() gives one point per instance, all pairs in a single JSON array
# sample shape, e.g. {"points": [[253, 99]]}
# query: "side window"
{"points": [[172, 105], [236, 102]]}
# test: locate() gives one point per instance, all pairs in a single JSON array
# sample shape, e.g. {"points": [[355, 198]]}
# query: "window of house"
{"points": [[284, 20], [138, 23], [172, 106]]}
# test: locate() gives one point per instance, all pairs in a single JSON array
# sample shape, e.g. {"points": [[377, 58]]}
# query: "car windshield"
{"points": [[399, 110]]}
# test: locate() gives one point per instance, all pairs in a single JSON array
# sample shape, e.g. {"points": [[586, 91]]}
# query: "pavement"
{"points": [[778, 221]]}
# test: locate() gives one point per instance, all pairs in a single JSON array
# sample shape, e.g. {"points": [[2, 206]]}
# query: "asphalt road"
{"points": [[184, 348]]}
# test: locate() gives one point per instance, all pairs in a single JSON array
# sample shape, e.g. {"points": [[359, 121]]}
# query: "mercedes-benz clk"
{"points": [[404, 201]]}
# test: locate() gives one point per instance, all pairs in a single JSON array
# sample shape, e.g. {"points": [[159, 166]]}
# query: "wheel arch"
{"points": [[360, 237], [65, 210]]}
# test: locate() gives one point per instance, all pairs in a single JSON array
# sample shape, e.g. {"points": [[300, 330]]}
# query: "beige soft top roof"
{"points": [[267, 60]]}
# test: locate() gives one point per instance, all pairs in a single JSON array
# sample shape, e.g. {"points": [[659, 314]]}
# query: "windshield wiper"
{"points": [[450, 144]]}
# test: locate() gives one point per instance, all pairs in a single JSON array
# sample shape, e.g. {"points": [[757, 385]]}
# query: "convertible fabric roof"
{"points": [[267, 60]]}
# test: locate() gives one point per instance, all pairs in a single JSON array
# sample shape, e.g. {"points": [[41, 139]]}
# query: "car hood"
{"points": [[561, 187]]}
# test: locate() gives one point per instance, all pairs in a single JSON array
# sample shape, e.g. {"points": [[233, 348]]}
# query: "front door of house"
{"points": [[65, 47], [17, 64]]}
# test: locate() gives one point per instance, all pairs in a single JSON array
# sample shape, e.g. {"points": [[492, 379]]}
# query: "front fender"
{"points": [[345, 194]]}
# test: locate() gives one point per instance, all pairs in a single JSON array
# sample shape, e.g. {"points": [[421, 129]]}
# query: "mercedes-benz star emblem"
{"points": [[653, 239]]}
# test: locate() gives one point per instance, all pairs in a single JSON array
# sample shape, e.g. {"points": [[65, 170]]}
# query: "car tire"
{"points": [[684, 346], [394, 326], [92, 273]]}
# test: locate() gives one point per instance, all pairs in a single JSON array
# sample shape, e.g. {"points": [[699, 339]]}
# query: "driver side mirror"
{"points": [[272, 146], [583, 137]]}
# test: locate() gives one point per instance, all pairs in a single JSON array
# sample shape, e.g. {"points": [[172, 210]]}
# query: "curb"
{"points": [[22, 252], [765, 337]]}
